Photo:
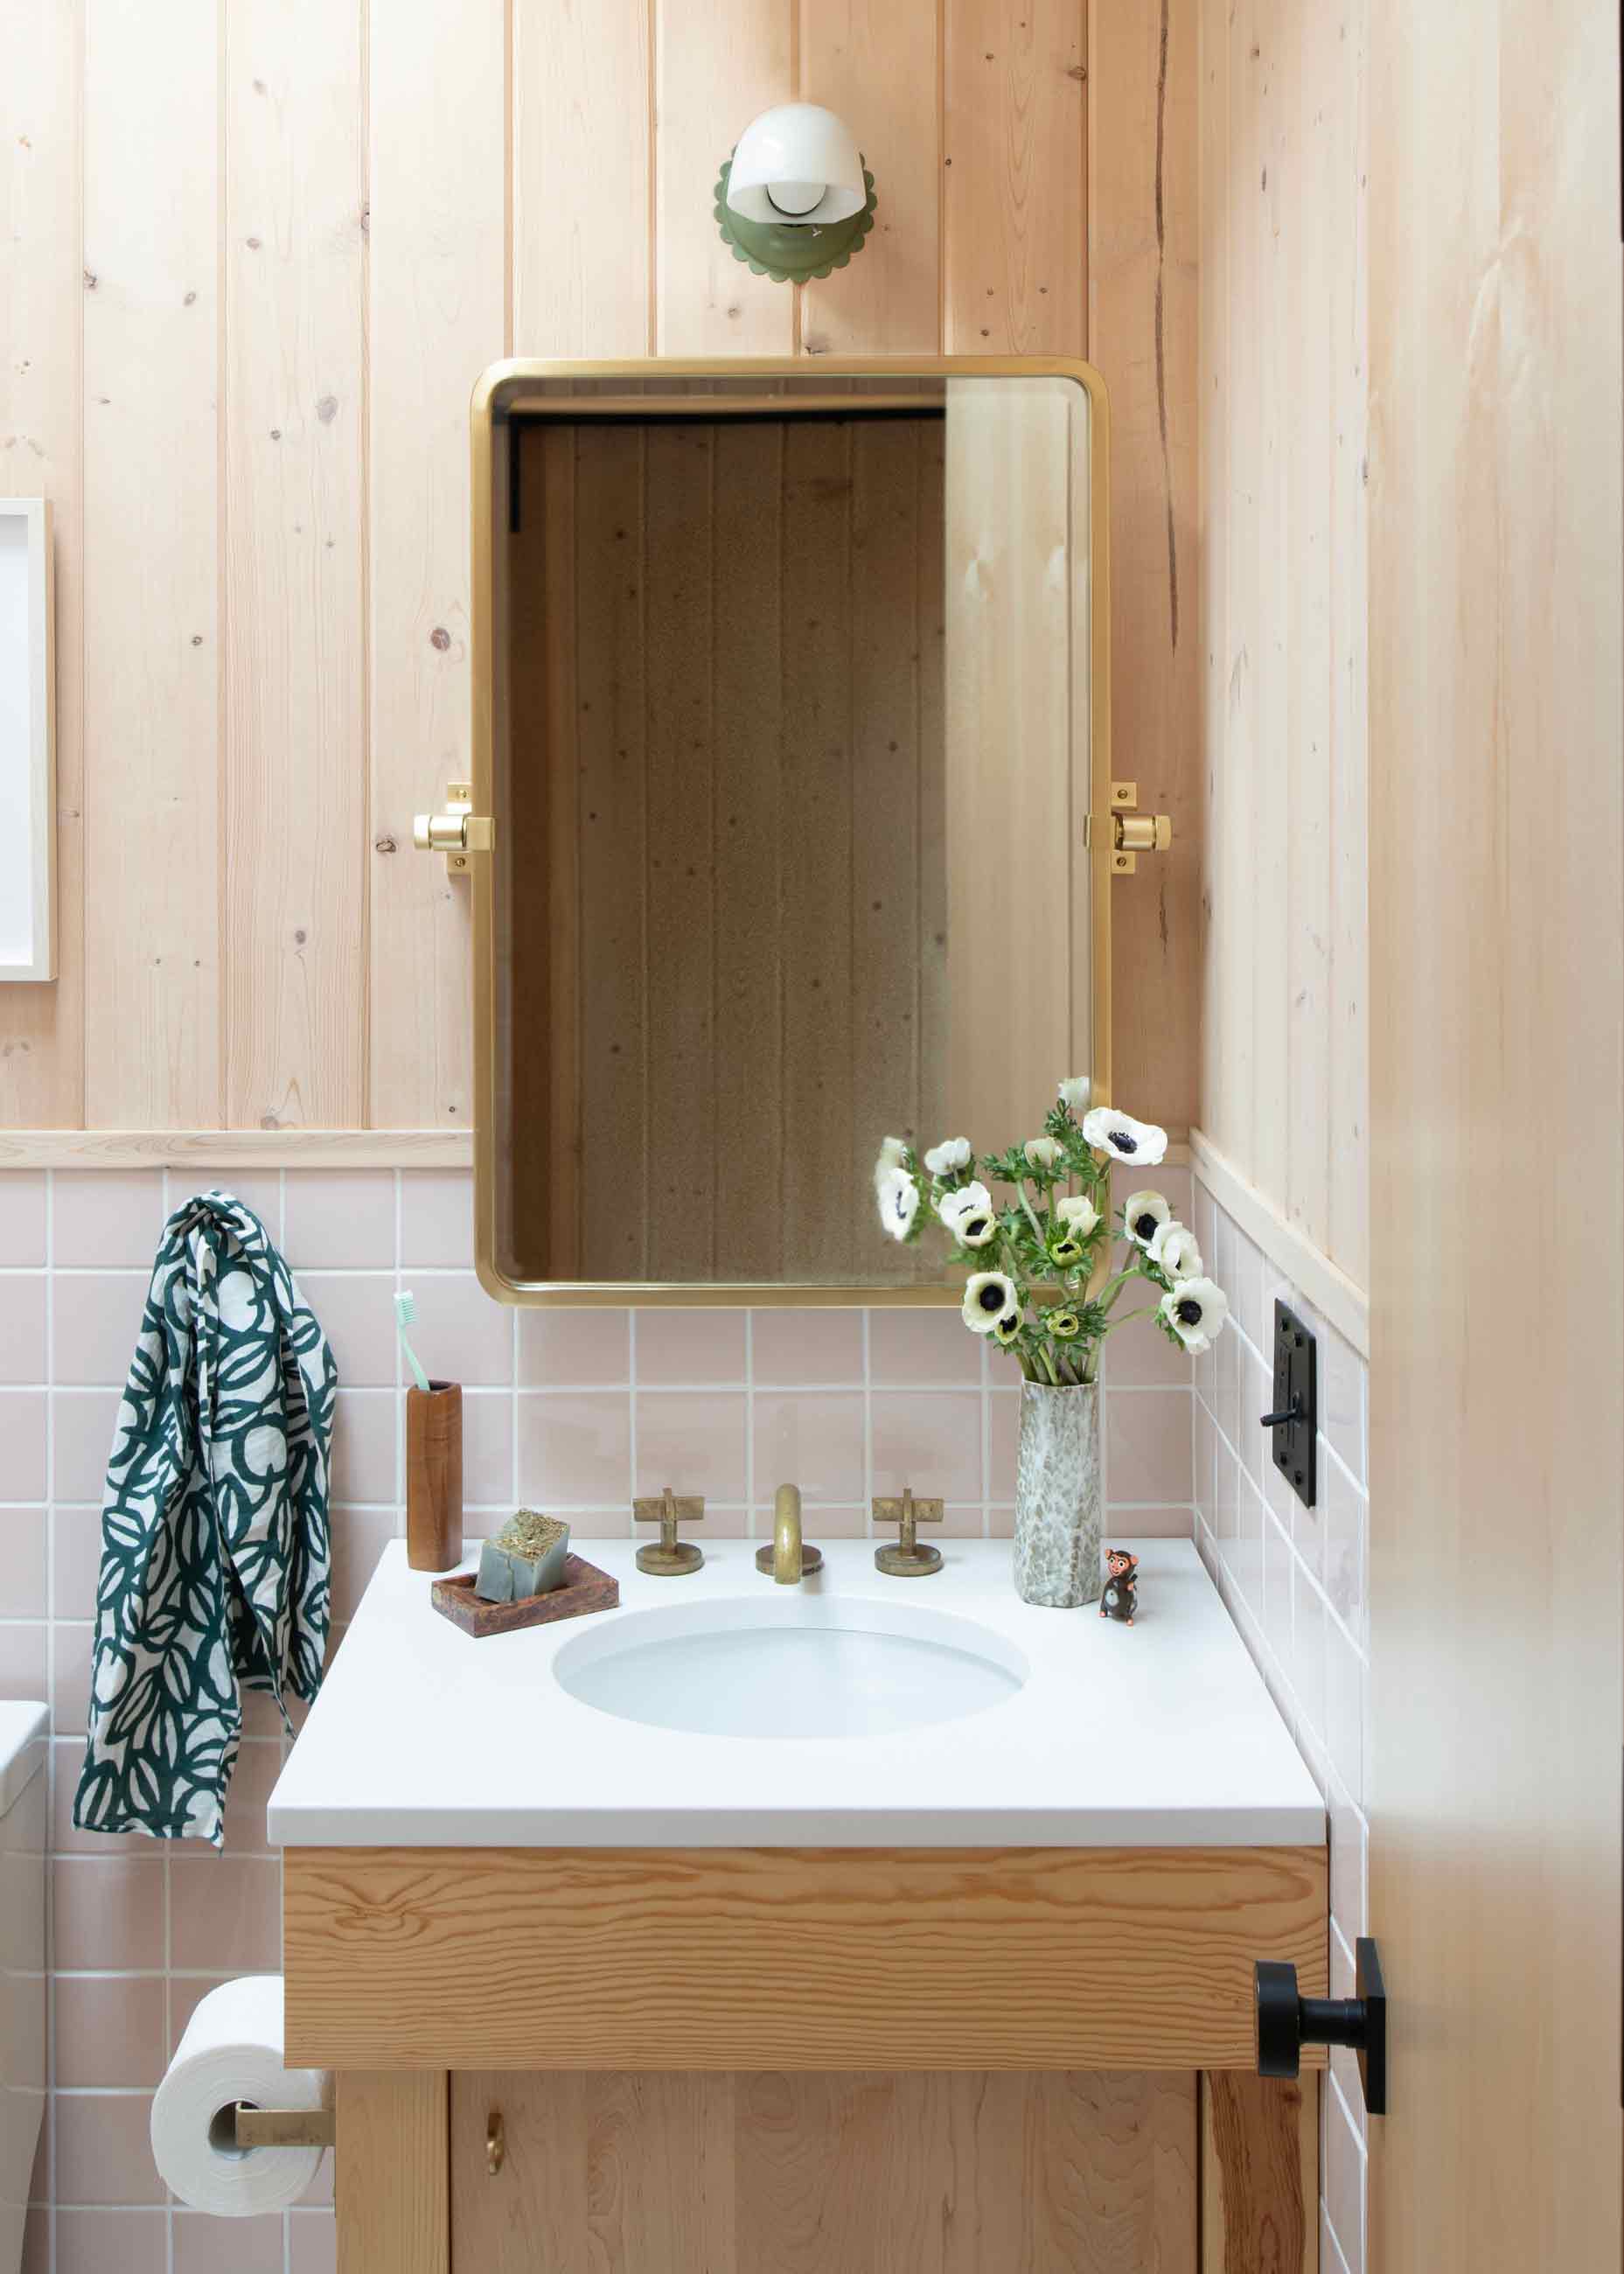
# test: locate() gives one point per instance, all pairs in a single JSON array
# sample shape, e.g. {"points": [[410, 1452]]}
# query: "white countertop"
{"points": [[1160, 1734]]}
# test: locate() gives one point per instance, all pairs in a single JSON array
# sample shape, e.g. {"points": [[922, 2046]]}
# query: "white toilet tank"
{"points": [[22, 1964]]}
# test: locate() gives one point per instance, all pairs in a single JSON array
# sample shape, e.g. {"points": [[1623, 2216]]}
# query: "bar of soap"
{"points": [[494, 1583]]}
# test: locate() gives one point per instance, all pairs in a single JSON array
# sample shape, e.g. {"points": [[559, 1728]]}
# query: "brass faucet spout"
{"points": [[786, 1536]]}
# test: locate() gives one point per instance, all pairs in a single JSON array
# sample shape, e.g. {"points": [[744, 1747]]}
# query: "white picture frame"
{"points": [[28, 743]]}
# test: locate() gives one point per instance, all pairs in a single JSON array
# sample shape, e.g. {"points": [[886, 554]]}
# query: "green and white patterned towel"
{"points": [[214, 1548]]}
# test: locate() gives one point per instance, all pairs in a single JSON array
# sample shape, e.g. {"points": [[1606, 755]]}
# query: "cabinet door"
{"points": [[820, 2173]]}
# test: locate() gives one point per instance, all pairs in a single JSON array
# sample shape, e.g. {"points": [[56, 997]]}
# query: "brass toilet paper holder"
{"points": [[285, 2127]]}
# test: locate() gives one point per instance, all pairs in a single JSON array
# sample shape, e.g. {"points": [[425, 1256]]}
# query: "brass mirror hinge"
{"points": [[1133, 833], [457, 832]]}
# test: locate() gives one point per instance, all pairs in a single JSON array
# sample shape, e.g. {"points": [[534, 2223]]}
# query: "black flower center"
{"points": [[991, 1298], [1188, 1313], [975, 1226], [1146, 1226], [1123, 1143]]}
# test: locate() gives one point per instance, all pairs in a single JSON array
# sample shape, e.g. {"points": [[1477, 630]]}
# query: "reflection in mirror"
{"points": [[791, 756]]}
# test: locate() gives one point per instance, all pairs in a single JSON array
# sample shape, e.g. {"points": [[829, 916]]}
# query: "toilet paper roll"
{"points": [[231, 2051]]}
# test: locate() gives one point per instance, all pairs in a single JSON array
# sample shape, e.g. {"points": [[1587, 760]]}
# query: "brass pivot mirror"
{"points": [[790, 819]]}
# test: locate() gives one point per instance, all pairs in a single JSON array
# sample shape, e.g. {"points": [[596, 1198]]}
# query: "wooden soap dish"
{"points": [[585, 1589]]}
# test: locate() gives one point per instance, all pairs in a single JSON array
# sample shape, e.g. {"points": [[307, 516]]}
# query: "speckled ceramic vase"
{"points": [[1058, 1490]]}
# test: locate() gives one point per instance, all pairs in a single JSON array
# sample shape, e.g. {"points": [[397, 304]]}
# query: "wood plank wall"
{"points": [[248, 272], [1284, 1077]]}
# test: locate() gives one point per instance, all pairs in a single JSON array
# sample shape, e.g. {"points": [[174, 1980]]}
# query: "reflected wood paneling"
{"points": [[1282, 395], [1010, 830], [295, 795], [42, 287], [750, 853], [867, 2173], [678, 883], [755, 831], [152, 583], [436, 303]]}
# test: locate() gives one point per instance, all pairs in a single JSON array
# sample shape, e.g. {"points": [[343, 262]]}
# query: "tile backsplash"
{"points": [[574, 1410], [1294, 1579]]}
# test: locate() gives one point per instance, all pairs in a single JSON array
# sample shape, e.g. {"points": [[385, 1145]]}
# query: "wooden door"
{"points": [[1496, 723], [818, 2174]]}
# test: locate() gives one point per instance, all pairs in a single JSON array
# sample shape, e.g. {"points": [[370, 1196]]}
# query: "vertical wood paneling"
{"points": [[1143, 309], [152, 568], [1346, 98], [1016, 243], [436, 315], [875, 64], [582, 251], [1216, 420], [42, 294], [1497, 970], [720, 62], [295, 788], [1282, 390]]}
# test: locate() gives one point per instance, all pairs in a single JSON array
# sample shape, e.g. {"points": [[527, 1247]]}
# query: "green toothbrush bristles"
{"points": [[405, 1311]]}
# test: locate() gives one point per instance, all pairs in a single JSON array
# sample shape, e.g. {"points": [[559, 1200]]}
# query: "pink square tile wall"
{"points": [[571, 1409], [1294, 1580]]}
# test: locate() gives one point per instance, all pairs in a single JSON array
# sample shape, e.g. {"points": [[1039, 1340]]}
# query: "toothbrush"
{"points": [[405, 1311]]}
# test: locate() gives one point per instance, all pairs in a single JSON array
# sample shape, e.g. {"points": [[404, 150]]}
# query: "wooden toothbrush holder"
{"points": [[434, 1476]]}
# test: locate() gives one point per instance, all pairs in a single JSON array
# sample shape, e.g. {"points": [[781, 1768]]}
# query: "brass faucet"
{"points": [[789, 1559]]}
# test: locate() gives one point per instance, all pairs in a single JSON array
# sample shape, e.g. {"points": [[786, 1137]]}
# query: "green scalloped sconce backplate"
{"points": [[791, 252]]}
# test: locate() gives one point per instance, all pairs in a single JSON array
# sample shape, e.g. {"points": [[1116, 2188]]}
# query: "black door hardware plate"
{"points": [[1295, 1417], [1284, 2022]]}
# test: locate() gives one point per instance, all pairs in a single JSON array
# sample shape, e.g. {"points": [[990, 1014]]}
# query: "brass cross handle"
{"points": [[668, 1557], [908, 1558]]}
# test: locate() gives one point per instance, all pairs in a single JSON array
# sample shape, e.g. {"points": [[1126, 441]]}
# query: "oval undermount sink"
{"points": [[789, 1665]]}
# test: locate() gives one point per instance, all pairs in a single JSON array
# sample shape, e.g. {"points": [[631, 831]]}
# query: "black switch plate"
{"points": [[1295, 1417]]}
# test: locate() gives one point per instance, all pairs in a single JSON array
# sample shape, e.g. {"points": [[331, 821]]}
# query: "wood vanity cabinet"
{"points": [[783, 2061]]}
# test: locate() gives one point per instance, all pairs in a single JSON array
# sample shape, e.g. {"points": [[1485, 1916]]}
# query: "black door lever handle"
{"points": [[1285, 2023]]}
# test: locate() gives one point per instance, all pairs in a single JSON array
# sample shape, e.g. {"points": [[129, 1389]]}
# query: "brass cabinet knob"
{"points": [[668, 1557], [456, 831], [909, 1558], [495, 2142], [1133, 832]]}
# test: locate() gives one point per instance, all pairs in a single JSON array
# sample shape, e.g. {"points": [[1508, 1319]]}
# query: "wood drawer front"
{"points": [[718, 1959]]}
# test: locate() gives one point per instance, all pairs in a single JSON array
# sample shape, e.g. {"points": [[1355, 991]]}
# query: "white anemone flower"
{"points": [[1196, 1311], [1141, 1143], [951, 1154], [1175, 1249], [968, 1214], [989, 1300], [1077, 1213], [893, 1153], [1145, 1214], [898, 1199], [1075, 1093], [1043, 1153]]}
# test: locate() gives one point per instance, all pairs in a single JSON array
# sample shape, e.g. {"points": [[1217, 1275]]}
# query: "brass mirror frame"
{"points": [[507, 390]]}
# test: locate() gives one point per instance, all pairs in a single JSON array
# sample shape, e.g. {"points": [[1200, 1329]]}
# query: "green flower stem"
{"points": [[1037, 1229], [1047, 1355]]}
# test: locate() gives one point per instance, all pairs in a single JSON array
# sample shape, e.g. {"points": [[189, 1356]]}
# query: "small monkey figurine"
{"points": [[1121, 1598]]}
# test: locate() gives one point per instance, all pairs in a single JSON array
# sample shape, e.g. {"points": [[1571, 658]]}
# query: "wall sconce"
{"points": [[795, 199]]}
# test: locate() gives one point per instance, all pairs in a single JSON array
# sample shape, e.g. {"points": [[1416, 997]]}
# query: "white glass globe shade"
{"points": [[797, 163]]}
